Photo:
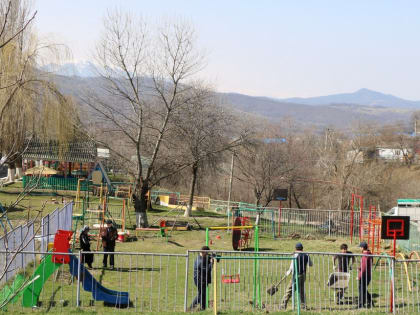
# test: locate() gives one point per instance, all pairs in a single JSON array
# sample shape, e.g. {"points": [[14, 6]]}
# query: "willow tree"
{"points": [[29, 102]]}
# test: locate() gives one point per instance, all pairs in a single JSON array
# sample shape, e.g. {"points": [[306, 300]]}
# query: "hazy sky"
{"points": [[274, 48]]}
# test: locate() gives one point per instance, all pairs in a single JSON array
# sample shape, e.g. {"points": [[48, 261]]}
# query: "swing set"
{"points": [[235, 278], [256, 292]]}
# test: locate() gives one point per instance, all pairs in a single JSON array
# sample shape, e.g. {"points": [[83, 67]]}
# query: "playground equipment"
{"points": [[236, 277], [50, 263], [414, 253], [371, 231], [406, 270], [174, 224], [240, 235], [256, 286], [263, 217], [11, 294], [241, 238]]}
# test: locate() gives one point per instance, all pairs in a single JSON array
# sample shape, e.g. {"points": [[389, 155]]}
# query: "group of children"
{"points": [[343, 262]]}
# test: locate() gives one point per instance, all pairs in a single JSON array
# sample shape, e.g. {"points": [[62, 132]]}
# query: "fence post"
{"points": [[297, 295], [23, 244], [48, 233], [329, 223], [393, 285], [273, 228], [78, 280], [186, 281]]}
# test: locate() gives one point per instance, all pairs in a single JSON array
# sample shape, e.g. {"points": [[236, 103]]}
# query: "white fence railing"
{"points": [[19, 239], [156, 282], [59, 219]]}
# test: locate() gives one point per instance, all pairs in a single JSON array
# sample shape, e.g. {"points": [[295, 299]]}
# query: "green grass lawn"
{"points": [[156, 283]]}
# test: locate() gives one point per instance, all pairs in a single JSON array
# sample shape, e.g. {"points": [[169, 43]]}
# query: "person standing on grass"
{"points": [[202, 277], [85, 246], [343, 262], [303, 260], [365, 275], [109, 236]]}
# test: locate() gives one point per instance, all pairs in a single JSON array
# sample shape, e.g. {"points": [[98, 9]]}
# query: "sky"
{"points": [[273, 48]]}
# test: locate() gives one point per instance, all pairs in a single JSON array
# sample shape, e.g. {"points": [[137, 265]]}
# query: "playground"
{"points": [[154, 266]]}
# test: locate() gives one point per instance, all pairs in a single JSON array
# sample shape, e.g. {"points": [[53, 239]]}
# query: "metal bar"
{"points": [[186, 282], [78, 280], [255, 257], [297, 285], [230, 227], [215, 288]]}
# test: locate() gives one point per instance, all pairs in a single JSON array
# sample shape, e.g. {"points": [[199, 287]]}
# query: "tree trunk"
{"points": [[257, 204], [290, 195], [342, 193], [188, 211], [19, 172], [296, 200], [11, 172], [140, 204]]}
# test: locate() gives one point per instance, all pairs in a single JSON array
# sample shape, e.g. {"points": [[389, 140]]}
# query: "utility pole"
{"points": [[230, 186]]}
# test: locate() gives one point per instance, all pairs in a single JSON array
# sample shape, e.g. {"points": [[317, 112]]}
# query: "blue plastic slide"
{"points": [[99, 292]]}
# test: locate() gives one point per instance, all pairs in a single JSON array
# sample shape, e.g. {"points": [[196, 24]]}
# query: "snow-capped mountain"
{"points": [[83, 69]]}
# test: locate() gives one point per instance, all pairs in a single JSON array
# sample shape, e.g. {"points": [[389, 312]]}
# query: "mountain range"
{"points": [[83, 69], [361, 97], [338, 110]]}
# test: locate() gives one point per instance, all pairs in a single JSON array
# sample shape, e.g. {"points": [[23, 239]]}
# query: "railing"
{"points": [[55, 183], [199, 202], [19, 239], [59, 219], [244, 281]]}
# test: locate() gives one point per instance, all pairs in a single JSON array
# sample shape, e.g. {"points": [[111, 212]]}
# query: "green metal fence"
{"points": [[54, 183]]}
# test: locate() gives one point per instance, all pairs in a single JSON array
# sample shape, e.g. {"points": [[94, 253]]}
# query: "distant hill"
{"points": [[361, 97], [339, 115], [338, 110]]}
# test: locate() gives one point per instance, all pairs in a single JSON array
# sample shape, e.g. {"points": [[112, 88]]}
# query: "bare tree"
{"points": [[145, 81], [203, 131], [263, 164]]}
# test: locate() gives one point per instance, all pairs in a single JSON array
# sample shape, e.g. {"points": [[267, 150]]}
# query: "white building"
{"points": [[392, 154], [408, 207]]}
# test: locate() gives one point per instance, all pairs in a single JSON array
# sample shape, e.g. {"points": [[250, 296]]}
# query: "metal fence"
{"points": [[59, 219], [407, 277], [156, 282], [151, 282], [413, 243], [301, 222], [316, 222], [55, 183], [11, 244], [241, 281]]}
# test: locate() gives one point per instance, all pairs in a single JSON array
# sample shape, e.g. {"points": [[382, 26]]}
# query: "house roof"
{"points": [[53, 150]]}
